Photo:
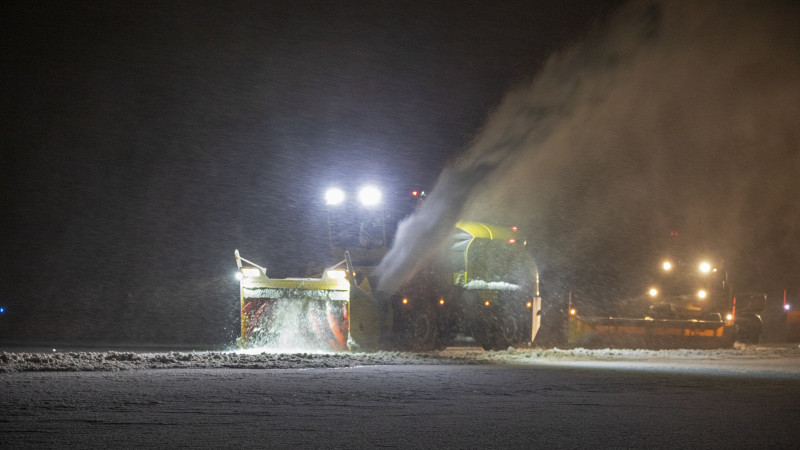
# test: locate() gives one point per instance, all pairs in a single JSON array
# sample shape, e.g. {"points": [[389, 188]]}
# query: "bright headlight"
{"points": [[653, 292], [335, 274], [369, 196], [705, 267], [702, 293], [251, 272], [334, 196]]}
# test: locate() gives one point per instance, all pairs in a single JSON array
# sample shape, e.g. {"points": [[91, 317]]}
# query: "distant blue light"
{"points": [[2, 310]]}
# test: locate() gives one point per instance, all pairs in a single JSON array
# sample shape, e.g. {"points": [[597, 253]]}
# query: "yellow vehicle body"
{"points": [[337, 311], [689, 304], [311, 313], [617, 332]]}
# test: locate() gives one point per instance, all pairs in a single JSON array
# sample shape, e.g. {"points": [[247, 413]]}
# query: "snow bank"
{"points": [[748, 361], [255, 359], [576, 354], [115, 361], [492, 285]]}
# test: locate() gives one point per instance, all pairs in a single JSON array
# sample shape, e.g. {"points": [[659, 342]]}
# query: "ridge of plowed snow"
{"points": [[116, 361]]}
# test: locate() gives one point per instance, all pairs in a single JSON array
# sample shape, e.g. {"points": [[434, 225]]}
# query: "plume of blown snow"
{"points": [[673, 115]]}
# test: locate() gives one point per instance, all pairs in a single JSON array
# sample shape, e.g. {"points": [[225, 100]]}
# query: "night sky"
{"points": [[144, 141]]}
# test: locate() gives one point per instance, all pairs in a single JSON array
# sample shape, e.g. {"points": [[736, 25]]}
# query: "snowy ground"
{"points": [[781, 360], [747, 397]]}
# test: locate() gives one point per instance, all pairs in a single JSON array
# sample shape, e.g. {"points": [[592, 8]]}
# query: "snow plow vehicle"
{"points": [[691, 305], [792, 325], [791, 321], [481, 288]]}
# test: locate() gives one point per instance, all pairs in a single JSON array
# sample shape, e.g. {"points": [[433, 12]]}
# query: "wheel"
{"points": [[750, 328], [504, 334], [498, 332], [421, 331]]}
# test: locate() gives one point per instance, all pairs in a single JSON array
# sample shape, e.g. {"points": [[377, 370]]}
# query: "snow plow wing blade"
{"points": [[293, 313], [650, 333], [367, 320]]}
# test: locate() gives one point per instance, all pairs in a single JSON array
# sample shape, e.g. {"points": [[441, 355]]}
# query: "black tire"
{"points": [[750, 329], [420, 333], [729, 336], [498, 334]]}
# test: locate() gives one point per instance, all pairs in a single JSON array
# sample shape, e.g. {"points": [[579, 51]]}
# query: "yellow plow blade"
{"points": [[649, 333]]}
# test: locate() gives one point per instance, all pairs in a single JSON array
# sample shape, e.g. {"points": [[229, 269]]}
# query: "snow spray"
{"points": [[670, 114]]}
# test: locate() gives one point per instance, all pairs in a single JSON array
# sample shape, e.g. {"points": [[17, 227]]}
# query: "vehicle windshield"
{"points": [[495, 261]]}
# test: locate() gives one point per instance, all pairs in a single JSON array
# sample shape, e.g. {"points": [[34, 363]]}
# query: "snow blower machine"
{"points": [[481, 289], [690, 305]]}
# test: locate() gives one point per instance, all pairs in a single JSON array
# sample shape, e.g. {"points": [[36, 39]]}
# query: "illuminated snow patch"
{"points": [[493, 285], [778, 361], [280, 351], [292, 324]]}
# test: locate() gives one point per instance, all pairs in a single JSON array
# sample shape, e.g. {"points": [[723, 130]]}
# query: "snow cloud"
{"points": [[674, 115]]}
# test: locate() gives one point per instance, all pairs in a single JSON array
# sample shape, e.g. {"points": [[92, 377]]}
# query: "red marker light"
{"points": [[414, 193], [512, 241], [514, 229]]}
